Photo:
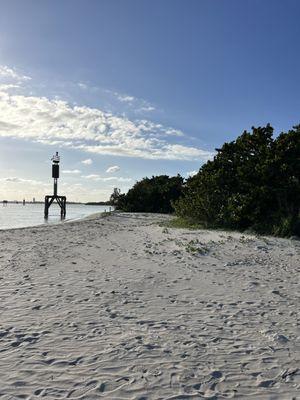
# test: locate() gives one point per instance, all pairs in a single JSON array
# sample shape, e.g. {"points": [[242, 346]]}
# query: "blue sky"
{"points": [[147, 87]]}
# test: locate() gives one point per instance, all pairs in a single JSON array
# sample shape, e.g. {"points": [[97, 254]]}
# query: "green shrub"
{"points": [[252, 183], [155, 195]]}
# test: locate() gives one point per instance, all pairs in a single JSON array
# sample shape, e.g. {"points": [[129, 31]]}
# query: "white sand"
{"points": [[121, 308]]}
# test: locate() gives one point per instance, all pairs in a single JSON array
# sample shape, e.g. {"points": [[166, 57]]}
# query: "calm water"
{"points": [[18, 216]]}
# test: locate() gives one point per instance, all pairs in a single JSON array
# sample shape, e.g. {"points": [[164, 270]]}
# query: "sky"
{"points": [[124, 89]]}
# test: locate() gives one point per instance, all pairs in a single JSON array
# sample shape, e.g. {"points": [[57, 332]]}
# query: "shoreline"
{"points": [[56, 222], [65, 221], [120, 307]]}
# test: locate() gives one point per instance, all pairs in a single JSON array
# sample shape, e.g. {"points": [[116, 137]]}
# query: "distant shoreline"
{"points": [[17, 216], [101, 203]]}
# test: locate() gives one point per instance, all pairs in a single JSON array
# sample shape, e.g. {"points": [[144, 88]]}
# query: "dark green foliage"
{"points": [[252, 183], [154, 194], [115, 197]]}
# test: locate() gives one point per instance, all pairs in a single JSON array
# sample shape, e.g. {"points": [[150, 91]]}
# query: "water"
{"points": [[18, 216]]}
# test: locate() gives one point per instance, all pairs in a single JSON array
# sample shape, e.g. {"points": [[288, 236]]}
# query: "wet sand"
{"points": [[122, 308]]}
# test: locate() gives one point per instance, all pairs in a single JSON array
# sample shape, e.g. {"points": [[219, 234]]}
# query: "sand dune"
{"points": [[122, 308]]}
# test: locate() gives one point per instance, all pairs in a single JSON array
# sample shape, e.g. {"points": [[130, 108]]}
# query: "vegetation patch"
{"points": [[153, 195], [181, 223], [195, 247], [251, 185]]}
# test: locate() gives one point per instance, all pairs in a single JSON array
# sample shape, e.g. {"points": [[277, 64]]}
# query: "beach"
{"points": [[124, 307]]}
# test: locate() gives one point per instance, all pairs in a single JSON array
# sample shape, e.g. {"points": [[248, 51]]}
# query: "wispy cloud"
{"points": [[10, 73], [91, 176], [95, 177], [125, 98], [138, 105], [114, 168], [57, 122], [147, 108], [191, 173], [88, 161], [88, 129], [15, 179], [71, 171], [83, 86], [8, 86]]}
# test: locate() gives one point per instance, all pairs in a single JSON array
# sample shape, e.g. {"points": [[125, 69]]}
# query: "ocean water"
{"points": [[19, 216]]}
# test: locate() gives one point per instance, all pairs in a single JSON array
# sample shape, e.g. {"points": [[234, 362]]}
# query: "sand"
{"points": [[123, 308]]}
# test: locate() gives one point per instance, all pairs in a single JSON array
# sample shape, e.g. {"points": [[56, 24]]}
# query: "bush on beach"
{"points": [[154, 195], [253, 183]]}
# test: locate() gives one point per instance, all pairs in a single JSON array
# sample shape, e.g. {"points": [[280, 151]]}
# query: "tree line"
{"points": [[252, 183]]}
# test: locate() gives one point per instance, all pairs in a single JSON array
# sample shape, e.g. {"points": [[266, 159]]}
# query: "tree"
{"points": [[154, 194], [115, 197]]}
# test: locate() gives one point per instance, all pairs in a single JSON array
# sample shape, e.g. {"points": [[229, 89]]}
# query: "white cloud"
{"points": [[56, 122], [116, 178], [82, 86], [88, 161], [147, 108], [138, 105], [114, 168], [15, 179], [71, 171], [7, 86], [10, 73], [92, 176], [95, 177], [191, 173], [174, 132], [125, 98]]}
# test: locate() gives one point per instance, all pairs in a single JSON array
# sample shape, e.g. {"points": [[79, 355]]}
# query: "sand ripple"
{"points": [[122, 308]]}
